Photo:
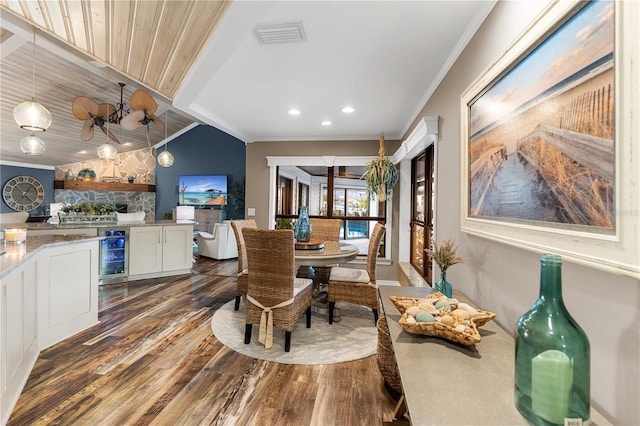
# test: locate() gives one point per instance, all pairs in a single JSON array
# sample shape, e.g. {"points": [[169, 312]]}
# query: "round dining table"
{"points": [[332, 252]]}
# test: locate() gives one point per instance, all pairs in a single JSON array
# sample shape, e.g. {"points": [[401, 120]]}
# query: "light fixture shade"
{"points": [[165, 158], [32, 145], [30, 115], [106, 151]]}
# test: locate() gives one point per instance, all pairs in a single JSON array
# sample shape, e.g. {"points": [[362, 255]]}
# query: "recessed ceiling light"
{"points": [[348, 109], [127, 144], [294, 111], [82, 151], [326, 123]]}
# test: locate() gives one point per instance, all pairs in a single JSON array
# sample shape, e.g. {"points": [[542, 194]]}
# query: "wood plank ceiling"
{"points": [[152, 42]]}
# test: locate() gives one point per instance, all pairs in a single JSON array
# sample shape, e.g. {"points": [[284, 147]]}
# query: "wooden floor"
{"points": [[154, 360]]}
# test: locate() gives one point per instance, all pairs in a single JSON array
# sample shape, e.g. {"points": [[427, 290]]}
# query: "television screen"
{"points": [[203, 191]]}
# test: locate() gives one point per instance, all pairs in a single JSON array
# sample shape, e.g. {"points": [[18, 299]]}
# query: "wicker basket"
{"points": [[386, 357]]}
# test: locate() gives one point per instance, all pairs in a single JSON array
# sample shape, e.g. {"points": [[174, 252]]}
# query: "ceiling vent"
{"points": [[280, 33]]}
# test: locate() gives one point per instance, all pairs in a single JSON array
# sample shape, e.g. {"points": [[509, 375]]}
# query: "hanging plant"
{"points": [[381, 175]]}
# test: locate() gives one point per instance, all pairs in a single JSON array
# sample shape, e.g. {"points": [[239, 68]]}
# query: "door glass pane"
{"points": [[357, 202], [417, 250], [339, 202], [303, 195], [419, 188]]}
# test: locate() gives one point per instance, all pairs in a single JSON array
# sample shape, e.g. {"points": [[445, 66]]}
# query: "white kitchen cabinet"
{"points": [[177, 251], [50, 295], [145, 250], [67, 302], [19, 330], [156, 251]]}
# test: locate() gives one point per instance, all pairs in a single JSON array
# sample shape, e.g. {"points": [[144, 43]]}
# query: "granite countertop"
{"points": [[81, 225], [14, 255]]}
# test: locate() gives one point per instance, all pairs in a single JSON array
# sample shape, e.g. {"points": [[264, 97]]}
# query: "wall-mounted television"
{"points": [[202, 191]]}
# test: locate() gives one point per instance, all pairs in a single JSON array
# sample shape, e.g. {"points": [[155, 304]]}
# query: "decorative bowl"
{"points": [[461, 330], [86, 174]]}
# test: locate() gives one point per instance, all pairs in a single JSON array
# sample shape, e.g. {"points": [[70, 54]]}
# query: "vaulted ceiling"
{"points": [[202, 63]]}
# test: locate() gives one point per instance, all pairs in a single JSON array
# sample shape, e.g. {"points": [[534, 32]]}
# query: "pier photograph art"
{"points": [[541, 137]]}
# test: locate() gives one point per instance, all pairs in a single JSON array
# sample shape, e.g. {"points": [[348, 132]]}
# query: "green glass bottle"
{"points": [[552, 376]]}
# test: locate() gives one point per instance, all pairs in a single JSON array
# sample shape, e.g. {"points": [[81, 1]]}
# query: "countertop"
{"points": [[446, 383], [15, 255], [79, 225]]}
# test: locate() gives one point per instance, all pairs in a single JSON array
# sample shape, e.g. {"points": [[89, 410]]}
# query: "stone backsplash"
{"points": [[140, 164], [135, 201]]}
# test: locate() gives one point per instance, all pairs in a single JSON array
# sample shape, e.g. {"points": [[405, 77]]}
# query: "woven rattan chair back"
{"points": [[238, 226], [372, 252], [270, 258], [271, 265], [362, 293], [325, 229]]}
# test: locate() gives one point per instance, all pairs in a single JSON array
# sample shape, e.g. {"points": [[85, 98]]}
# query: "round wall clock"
{"points": [[23, 193]]}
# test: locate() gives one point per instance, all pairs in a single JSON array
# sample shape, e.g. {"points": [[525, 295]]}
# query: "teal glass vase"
{"points": [[552, 361], [302, 231], [444, 286]]}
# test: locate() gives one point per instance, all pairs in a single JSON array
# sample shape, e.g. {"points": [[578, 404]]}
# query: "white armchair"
{"points": [[220, 245]]}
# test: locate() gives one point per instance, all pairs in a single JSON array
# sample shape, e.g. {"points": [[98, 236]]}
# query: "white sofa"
{"points": [[219, 245]]}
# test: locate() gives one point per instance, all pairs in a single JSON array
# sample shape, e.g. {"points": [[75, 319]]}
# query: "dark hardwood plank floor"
{"points": [[153, 360]]}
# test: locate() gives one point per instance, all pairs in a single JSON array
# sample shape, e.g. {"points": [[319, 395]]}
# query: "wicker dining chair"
{"points": [[356, 285], [241, 287], [325, 230], [275, 297]]}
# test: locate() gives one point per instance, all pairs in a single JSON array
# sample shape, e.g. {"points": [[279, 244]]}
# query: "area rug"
{"points": [[354, 337]]}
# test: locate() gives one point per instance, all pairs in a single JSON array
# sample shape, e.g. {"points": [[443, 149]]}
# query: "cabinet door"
{"points": [[67, 291], [145, 249], [178, 247], [18, 329]]}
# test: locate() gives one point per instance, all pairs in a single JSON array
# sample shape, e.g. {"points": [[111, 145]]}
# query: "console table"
{"points": [[445, 383]]}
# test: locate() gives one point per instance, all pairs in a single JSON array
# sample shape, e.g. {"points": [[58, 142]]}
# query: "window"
{"points": [[348, 200], [422, 214], [303, 194]]}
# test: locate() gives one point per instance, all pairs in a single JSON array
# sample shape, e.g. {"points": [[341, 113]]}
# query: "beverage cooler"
{"points": [[114, 255]]}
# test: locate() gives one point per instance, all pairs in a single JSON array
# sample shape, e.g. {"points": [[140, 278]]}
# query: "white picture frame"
{"points": [[615, 249]]}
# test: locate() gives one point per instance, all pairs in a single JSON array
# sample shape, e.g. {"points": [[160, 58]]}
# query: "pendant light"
{"points": [[32, 145], [165, 158], [106, 151], [30, 115]]}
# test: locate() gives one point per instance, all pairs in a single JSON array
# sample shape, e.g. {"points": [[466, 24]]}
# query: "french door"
{"points": [[422, 212]]}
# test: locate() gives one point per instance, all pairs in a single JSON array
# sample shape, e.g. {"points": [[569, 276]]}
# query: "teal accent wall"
{"points": [[204, 150]]}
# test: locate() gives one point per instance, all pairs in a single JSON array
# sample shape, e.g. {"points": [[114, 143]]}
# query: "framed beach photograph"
{"points": [[547, 152]]}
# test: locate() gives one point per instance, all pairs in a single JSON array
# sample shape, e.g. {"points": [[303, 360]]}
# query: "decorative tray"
{"points": [[312, 244], [86, 218], [437, 315]]}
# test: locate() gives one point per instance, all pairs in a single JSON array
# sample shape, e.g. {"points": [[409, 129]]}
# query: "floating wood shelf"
{"points": [[78, 185]]}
